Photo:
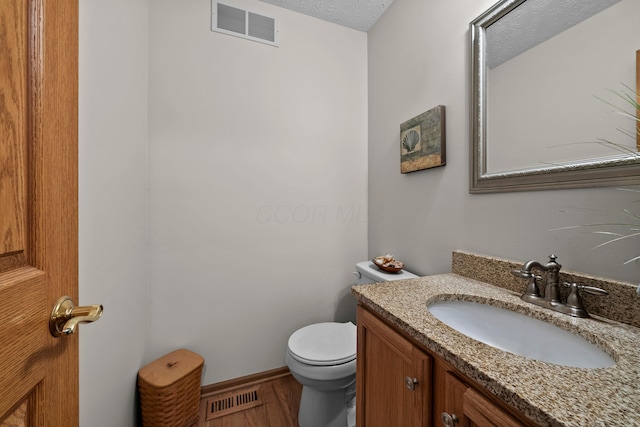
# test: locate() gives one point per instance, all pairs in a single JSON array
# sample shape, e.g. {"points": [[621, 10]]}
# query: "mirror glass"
{"points": [[546, 80]]}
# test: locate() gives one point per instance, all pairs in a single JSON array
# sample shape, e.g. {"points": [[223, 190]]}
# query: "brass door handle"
{"points": [[66, 317]]}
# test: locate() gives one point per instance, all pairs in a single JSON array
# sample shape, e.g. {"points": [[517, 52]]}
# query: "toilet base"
{"points": [[323, 408]]}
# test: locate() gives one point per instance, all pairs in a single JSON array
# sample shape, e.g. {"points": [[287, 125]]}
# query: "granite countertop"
{"points": [[548, 394]]}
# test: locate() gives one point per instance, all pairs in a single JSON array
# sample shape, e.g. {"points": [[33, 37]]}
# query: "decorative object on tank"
{"points": [[388, 263], [422, 141]]}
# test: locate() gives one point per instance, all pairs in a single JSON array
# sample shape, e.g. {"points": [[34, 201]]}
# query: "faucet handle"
{"points": [[593, 290], [574, 300], [588, 289], [532, 287]]}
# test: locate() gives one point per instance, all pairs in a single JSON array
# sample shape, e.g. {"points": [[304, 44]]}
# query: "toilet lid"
{"points": [[327, 343]]}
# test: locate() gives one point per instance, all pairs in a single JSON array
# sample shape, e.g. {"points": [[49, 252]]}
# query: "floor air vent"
{"points": [[232, 402]]}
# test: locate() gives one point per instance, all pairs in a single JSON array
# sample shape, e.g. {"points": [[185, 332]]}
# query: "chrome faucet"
{"points": [[551, 298]]}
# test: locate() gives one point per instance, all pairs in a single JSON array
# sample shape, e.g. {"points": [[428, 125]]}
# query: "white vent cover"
{"points": [[242, 23]]}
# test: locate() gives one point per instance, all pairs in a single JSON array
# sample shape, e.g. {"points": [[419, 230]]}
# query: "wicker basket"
{"points": [[170, 390]]}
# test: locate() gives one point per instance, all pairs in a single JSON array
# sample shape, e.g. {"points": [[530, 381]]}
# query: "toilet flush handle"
{"points": [[359, 276]]}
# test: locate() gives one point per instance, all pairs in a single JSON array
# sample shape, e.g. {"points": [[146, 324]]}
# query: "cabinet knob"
{"points": [[448, 420], [410, 382]]}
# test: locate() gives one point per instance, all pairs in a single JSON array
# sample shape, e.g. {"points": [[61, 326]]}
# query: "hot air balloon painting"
{"points": [[422, 141]]}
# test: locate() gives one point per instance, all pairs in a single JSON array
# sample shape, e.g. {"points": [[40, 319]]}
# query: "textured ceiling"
{"points": [[356, 14]]}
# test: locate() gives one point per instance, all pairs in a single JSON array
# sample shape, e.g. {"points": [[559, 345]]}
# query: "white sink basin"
{"points": [[520, 334]]}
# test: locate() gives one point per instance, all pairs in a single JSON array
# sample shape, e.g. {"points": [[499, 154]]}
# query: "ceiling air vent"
{"points": [[242, 23]]}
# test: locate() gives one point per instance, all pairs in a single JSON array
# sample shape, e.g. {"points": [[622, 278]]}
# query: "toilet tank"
{"points": [[367, 272]]}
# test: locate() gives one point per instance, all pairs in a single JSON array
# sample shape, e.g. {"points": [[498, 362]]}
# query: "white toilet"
{"points": [[322, 357]]}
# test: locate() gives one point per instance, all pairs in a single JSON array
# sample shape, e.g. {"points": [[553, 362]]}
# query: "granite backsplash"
{"points": [[622, 304]]}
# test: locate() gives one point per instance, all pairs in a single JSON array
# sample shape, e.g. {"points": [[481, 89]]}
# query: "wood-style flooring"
{"points": [[279, 408]]}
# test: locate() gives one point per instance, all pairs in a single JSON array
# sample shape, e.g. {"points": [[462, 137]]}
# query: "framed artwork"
{"points": [[422, 141]]}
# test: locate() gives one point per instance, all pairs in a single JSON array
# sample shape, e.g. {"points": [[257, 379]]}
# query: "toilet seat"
{"points": [[324, 344]]}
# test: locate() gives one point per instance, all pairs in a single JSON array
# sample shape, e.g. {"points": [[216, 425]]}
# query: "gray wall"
{"points": [[257, 183], [418, 58], [235, 213], [112, 206]]}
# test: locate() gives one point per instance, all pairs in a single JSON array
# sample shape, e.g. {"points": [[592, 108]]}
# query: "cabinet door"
{"points": [[479, 412], [454, 390], [393, 377], [465, 407]]}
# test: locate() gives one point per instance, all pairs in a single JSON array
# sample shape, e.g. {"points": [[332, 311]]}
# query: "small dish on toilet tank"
{"points": [[388, 263]]}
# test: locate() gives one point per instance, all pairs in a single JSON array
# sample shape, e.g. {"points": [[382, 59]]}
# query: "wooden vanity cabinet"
{"points": [[400, 384], [393, 379]]}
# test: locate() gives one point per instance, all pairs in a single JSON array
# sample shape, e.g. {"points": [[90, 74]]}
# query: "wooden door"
{"points": [[38, 209], [386, 362]]}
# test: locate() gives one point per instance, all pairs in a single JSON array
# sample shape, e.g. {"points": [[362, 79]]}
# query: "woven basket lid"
{"points": [[170, 368]]}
